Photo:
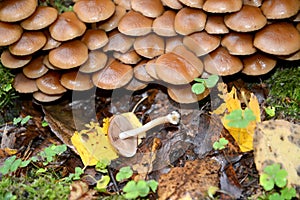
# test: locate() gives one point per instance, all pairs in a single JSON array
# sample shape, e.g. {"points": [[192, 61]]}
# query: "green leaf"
{"points": [[41, 170], [44, 123], [153, 185], [78, 173], [130, 190], [16, 120], [142, 188], [235, 115], [25, 163], [270, 111], [199, 80], [288, 193], [219, 145], [7, 87], [275, 196], [281, 178], [272, 169], [102, 165], [15, 165], [102, 183], [249, 115], [198, 88], [239, 118], [25, 120], [5, 168], [124, 173], [212, 81], [266, 181]]}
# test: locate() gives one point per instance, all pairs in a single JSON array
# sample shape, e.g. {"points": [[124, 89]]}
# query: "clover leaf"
{"points": [[124, 173]]}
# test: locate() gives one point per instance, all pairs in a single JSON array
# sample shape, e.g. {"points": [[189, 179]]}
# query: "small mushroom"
{"points": [[113, 21], [16, 10], [221, 6], [239, 43], [153, 8], [23, 84], [11, 61], [280, 9], [193, 3], [164, 24], [9, 33], [215, 25], [174, 4], [35, 68], [94, 38]]}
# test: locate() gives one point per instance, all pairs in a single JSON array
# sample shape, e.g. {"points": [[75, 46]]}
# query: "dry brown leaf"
{"points": [[278, 141]]}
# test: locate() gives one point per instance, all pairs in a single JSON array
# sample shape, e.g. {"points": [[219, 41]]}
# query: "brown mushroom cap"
{"points": [[42, 97], [11, 61], [16, 10], [95, 38], [118, 42], [114, 75], [41, 18], [69, 55], [23, 84], [140, 72], [149, 46], [30, 42], [215, 25], [220, 6], [48, 64], [9, 33], [174, 4], [123, 3], [91, 11], [201, 43], [258, 64], [164, 24], [113, 21], [150, 68], [184, 94], [51, 43], [135, 84], [249, 18], [279, 39], [220, 62], [294, 56], [96, 61], [135, 24], [173, 42], [256, 3], [189, 20], [50, 83], [153, 8], [75, 80], [193, 3], [66, 27], [238, 43], [35, 68], [126, 147], [280, 9], [130, 57]]}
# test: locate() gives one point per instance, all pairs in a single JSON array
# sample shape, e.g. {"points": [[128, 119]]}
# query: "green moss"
{"points": [[284, 92]]}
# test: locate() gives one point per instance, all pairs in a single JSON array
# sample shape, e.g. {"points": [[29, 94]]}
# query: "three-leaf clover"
{"points": [[273, 175], [124, 173], [21, 120], [219, 145], [240, 118], [202, 84]]}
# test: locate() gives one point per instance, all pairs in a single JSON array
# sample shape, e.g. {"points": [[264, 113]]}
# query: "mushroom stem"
{"points": [[173, 118]]}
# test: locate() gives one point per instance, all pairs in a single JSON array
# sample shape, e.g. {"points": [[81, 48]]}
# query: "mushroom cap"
{"points": [[118, 42], [153, 8], [35, 68], [174, 4], [279, 39], [91, 11], [221, 6], [42, 97], [201, 43], [140, 72], [220, 62], [184, 94], [193, 3], [150, 68], [164, 24], [280, 9], [51, 43], [66, 27], [178, 67], [215, 25], [95, 38], [130, 57], [149, 46], [123, 3], [135, 24], [30, 42], [50, 83], [256, 3], [11, 61], [249, 18], [173, 42], [189, 20], [48, 64], [126, 147], [16, 10], [135, 84], [114, 75], [69, 55], [23, 84], [258, 64], [294, 56], [9, 33], [75, 80], [113, 21], [238, 43], [41, 18], [96, 60]]}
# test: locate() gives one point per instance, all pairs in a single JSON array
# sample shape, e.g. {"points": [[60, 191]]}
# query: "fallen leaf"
{"points": [[278, 141]]}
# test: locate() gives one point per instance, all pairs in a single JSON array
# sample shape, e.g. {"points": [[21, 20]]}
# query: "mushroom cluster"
{"points": [[130, 43]]}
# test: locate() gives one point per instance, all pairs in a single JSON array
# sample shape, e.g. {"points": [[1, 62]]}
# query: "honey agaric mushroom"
{"points": [[16, 10], [135, 84], [172, 118], [201, 43], [30, 42], [278, 39], [135, 24], [256, 3], [140, 72], [215, 25], [96, 61], [118, 42], [258, 64], [50, 83], [51, 43], [94, 39], [42, 97], [12, 61], [41, 18], [220, 62], [189, 20], [220, 6], [173, 42], [294, 56], [48, 64], [9, 33], [152, 9], [35, 68], [69, 55], [164, 24], [23, 84], [280, 9], [174, 4], [130, 57], [123, 3], [193, 3], [114, 75], [150, 68], [113, 21], [238, 43], [66, 27], [249, 18], [90, 11], [75, 80], [149, 46]]}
